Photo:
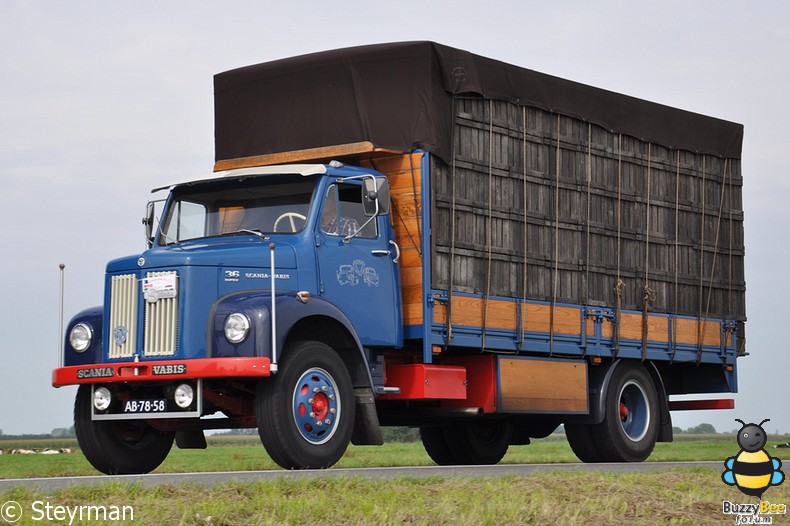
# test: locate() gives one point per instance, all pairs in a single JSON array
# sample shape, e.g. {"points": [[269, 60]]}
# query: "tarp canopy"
{"points": [[400, 96]]}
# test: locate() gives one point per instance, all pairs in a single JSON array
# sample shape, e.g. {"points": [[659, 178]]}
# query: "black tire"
{"points": [[475, 442], [300, 428], [631, 416], [580, 438], [435, 443], [118, 447]]}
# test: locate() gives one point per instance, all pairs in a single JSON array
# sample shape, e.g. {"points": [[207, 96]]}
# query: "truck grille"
{"points": [[123, 316], [160, 324]]}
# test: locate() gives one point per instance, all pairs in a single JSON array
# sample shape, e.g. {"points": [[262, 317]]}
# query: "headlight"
{"points": [[237, 326], [101, 398], [184, 395], [80, 337]]}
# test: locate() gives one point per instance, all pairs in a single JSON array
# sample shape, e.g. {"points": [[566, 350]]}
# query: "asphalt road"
{"points": [[212, 478]]}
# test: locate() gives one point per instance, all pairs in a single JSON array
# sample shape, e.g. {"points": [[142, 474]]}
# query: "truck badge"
{"points": [[96, 372], [119, 335], [141, 262], [160, 287]]}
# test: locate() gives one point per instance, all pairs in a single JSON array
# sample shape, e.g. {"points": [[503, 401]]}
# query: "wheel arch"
{"points": [[334, 333], [599, 377], [327, 324]]}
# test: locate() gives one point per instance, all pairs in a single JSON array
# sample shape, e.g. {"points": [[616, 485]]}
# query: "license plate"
{"points": [[145, 406]]}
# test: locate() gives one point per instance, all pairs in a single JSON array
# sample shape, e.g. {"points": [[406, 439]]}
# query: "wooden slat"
{"points": [[468, 311], [537, 317], [686, 331], [631, 327], [321, 154]]}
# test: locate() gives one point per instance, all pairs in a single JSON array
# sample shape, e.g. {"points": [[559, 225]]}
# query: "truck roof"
{"points": [[400, 96], [304, 170]]}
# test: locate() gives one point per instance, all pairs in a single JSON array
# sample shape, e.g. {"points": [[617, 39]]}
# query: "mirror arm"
{"points": [[360, 229]]}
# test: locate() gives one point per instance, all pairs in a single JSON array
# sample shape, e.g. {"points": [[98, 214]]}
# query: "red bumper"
{"points": [[162, 370]]}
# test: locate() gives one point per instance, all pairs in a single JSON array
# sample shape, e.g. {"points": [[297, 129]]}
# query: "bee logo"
{"points": [[752, 470]]}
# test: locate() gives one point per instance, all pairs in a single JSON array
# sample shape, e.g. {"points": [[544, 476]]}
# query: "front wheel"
{"points": [[118, 447], [305, 413]]}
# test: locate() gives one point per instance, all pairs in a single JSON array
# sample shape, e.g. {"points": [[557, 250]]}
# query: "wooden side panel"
{"points": [[542, 385], [470, 311], [537, 317], [405, 177], [690, 331], [631, 327]]}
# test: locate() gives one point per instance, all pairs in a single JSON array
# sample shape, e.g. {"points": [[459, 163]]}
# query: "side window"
{"points": [[343, 213], [189, 222]]}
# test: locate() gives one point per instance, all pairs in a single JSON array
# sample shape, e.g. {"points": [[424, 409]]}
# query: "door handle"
{"points": [[397, 251], [384, 252]]}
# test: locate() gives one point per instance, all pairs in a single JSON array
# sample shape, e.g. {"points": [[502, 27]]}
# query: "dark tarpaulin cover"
{"points": [[399, 96]]}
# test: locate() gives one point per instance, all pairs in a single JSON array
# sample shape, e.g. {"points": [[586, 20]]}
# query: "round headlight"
{"points": [[184, 395], [80, 337], [101, 398], [237, 326]]}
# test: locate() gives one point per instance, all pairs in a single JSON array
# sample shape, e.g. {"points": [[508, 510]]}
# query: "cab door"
{"points": [[358, 271]]}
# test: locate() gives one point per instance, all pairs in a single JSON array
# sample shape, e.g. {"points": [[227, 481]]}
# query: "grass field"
{"points": [[686, 496], [246, 453]]}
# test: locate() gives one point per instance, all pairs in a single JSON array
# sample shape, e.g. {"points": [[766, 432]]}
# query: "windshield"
{"points": [[271, 204]]}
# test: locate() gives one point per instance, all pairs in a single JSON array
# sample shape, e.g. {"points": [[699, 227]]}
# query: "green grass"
{"points": [[659, 498], [676, 497], [246, 454]]}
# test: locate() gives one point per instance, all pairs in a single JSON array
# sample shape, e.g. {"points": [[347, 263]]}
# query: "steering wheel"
{"points": [[290, 216]]}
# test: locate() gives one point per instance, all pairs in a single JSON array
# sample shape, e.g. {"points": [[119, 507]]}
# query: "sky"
{"points": [[102, 101]]}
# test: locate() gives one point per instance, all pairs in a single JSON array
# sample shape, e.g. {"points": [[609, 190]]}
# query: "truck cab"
{"points": [[245, 268]]}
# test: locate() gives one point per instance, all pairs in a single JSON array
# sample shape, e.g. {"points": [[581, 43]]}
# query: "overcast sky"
{"points": [[102, 101]]}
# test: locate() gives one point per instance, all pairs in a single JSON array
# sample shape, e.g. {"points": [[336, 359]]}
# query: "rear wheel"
{"points": [[467, 442], [305, 413], [630, 427], [580, 438], [480, 441], [118, 447], [435, 443]]}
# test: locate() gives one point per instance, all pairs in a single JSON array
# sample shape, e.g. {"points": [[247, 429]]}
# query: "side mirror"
{"points": [[150, 219], [148, 223], [376, 189]]}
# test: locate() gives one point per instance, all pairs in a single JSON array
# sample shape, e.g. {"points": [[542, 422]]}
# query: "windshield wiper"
{"points": [[254, 232]]}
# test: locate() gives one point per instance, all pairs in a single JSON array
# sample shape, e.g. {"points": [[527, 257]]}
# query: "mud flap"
{"points": [[367, 430], [191, 439]]}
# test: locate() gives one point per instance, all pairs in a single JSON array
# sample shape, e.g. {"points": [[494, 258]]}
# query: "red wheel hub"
{"points": [[623, 412], [320, 406]]}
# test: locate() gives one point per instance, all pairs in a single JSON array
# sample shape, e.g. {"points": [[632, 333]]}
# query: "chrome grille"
{"points": [[123, 316], [161, 324]]}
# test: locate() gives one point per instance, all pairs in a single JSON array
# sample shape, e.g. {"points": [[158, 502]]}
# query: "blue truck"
{"points": [[413, 235]]}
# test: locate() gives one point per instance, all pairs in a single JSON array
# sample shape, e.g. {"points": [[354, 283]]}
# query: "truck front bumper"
{"points": [[146, 371]]}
